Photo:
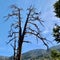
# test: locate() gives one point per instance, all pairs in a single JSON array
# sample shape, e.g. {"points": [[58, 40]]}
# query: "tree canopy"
{"points": [[56, 33], [57, 8], [56, 29], [55, 54]]}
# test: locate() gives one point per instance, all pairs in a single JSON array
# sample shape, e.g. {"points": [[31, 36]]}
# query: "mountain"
{"points": [[37, 54], [4, 58], [57, 47]]}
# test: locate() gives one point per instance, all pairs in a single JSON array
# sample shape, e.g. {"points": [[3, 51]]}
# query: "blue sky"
{"points": [[47, 14]]}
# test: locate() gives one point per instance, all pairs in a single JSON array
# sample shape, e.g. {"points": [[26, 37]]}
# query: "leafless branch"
{"points": [[27, 41], [45, 44], [10, 15], [28, 28], [27, 19], [11, 40], [35, 34], [12, 46], [14, 24], [31, 9], [15, 32], [15, 7], [48, 41], [41, 38], [36, 18], [35, 26], [37, 13], [10, 33], [15, 12]]}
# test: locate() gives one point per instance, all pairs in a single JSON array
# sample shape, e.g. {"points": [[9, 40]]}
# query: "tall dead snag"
{"points": [[14, 48], [14, 43], [31, 27]]}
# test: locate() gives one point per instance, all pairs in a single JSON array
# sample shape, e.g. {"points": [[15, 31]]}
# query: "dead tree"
{"points": [[32, 19], [14, 48], [13, 45]]}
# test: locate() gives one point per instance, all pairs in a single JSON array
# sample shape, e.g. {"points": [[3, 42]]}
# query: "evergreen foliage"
{"points": [[57, 8], [56, 33], [55, 55]]}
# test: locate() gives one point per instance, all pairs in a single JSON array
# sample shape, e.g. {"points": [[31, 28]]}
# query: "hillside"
{"points": [[37, 54]]}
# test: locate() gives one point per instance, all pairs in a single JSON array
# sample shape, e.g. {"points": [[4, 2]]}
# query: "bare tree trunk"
{"points": [[20, 41], [19, 51]]}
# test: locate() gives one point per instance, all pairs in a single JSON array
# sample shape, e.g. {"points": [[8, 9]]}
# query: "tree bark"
{"points": [[19, 51], [20, 41]]}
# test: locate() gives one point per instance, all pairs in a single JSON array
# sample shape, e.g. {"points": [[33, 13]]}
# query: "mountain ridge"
{"points": [[35, 54]]}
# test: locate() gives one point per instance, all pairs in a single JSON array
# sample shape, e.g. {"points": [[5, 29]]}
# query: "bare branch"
{"points": [[15, 32], [37, 13], [27, 41], [36, 18], [15, 7], [13, 24], [10, 33], [35, 26], [10, 15], [11, 40], [35, 34], [41, 38], [48, 41], [45, 44], [37, 39], [31, 9], [32, 30], [15, 12], [12, 46], [27, 19]]}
